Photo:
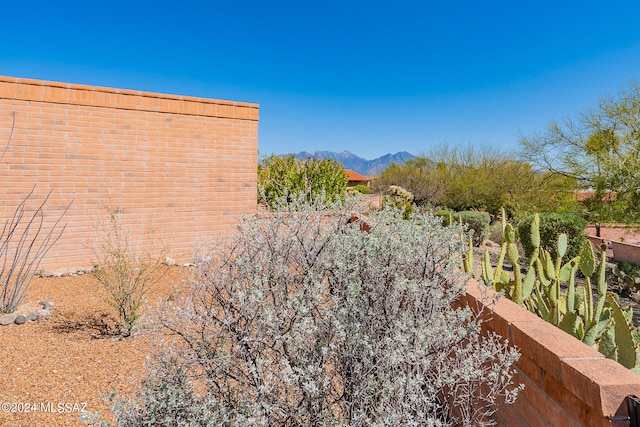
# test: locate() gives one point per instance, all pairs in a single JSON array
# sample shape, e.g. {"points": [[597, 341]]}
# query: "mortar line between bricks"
{"points": [[583, 358], [222, 116]]}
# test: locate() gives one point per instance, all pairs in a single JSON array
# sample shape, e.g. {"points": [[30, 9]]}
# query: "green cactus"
{"points": [[467, 259], [549, 290], [621, 341], [449, 220], [517, 289]]}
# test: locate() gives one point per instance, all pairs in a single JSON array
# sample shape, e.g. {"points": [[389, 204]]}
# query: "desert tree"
{"points": [[419, 176], [483, 178], [600, 149]]}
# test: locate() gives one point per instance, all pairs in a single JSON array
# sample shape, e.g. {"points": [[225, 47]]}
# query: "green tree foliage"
{"points": [[283, 176], [362, 189], [600, 149], [489, 180], [477, 221], [478, 179], [418, 176]]}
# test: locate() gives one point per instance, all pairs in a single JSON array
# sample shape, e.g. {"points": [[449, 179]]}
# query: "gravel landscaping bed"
{"points": [[64, 363]]}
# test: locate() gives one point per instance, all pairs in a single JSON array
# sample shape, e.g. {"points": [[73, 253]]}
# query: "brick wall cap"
{"points": [[252, 107], [503, 307], [529, 329], [74, 86], [602, 383]]}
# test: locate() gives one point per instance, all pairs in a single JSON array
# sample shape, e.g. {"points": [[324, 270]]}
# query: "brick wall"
{"points": [[180, 168], [567, 383]]}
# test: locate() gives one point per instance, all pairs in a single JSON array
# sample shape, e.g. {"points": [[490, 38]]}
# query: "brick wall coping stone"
{"points": [[77, 94], [578, 380]]}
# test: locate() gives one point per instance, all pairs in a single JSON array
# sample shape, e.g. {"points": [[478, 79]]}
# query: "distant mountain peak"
{"points": [[358, 164]]}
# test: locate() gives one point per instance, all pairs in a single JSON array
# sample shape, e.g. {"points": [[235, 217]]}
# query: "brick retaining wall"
{"points": [[183, 168], [567, 383]]}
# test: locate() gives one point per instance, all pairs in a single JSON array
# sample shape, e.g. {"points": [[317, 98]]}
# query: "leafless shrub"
{"points": [[126, 271], [24, 242], [307, 321]]}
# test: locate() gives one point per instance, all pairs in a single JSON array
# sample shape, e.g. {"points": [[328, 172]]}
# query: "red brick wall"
{"points": [[181, 167], [567, 383]]}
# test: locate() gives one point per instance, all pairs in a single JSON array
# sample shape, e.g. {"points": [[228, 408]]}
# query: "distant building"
{"points": [[356, 179], [582, 195]]}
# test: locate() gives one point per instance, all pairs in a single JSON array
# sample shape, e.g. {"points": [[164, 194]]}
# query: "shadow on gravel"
{"points": [[95, 325]]}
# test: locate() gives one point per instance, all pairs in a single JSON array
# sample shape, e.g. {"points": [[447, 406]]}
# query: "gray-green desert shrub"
{"points": [[167, 399], [304, 320]]}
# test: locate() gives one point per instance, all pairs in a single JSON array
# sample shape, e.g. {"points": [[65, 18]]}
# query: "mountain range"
{"points": [[358, 164]]}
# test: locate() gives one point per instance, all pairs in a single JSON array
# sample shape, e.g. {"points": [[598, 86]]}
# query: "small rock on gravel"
{"points": [[7, 319], [20, 320], [43, 312], [46, 273]]}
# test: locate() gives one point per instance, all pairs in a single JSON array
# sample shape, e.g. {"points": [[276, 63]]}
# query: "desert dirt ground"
{"points": [[55, 367]]}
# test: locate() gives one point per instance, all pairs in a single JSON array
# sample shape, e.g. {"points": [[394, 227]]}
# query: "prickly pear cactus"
{"points": [[620, 342], [549, 289]]}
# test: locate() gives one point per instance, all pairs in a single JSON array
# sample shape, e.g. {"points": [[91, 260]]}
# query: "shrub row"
{"points": [[551, 225], [477, 221]]}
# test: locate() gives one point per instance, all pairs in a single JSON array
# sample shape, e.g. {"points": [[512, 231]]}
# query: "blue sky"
{"points": [[366, 76]]}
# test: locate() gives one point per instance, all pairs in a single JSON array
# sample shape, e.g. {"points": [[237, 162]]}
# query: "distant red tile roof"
{"points": [[355, 176], [609, 196]]}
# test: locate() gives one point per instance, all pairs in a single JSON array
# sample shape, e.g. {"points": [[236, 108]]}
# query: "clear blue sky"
{"points": [[371, 77]]}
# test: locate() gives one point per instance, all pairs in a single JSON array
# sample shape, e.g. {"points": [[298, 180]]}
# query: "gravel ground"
{"points": [[69, 360]]}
